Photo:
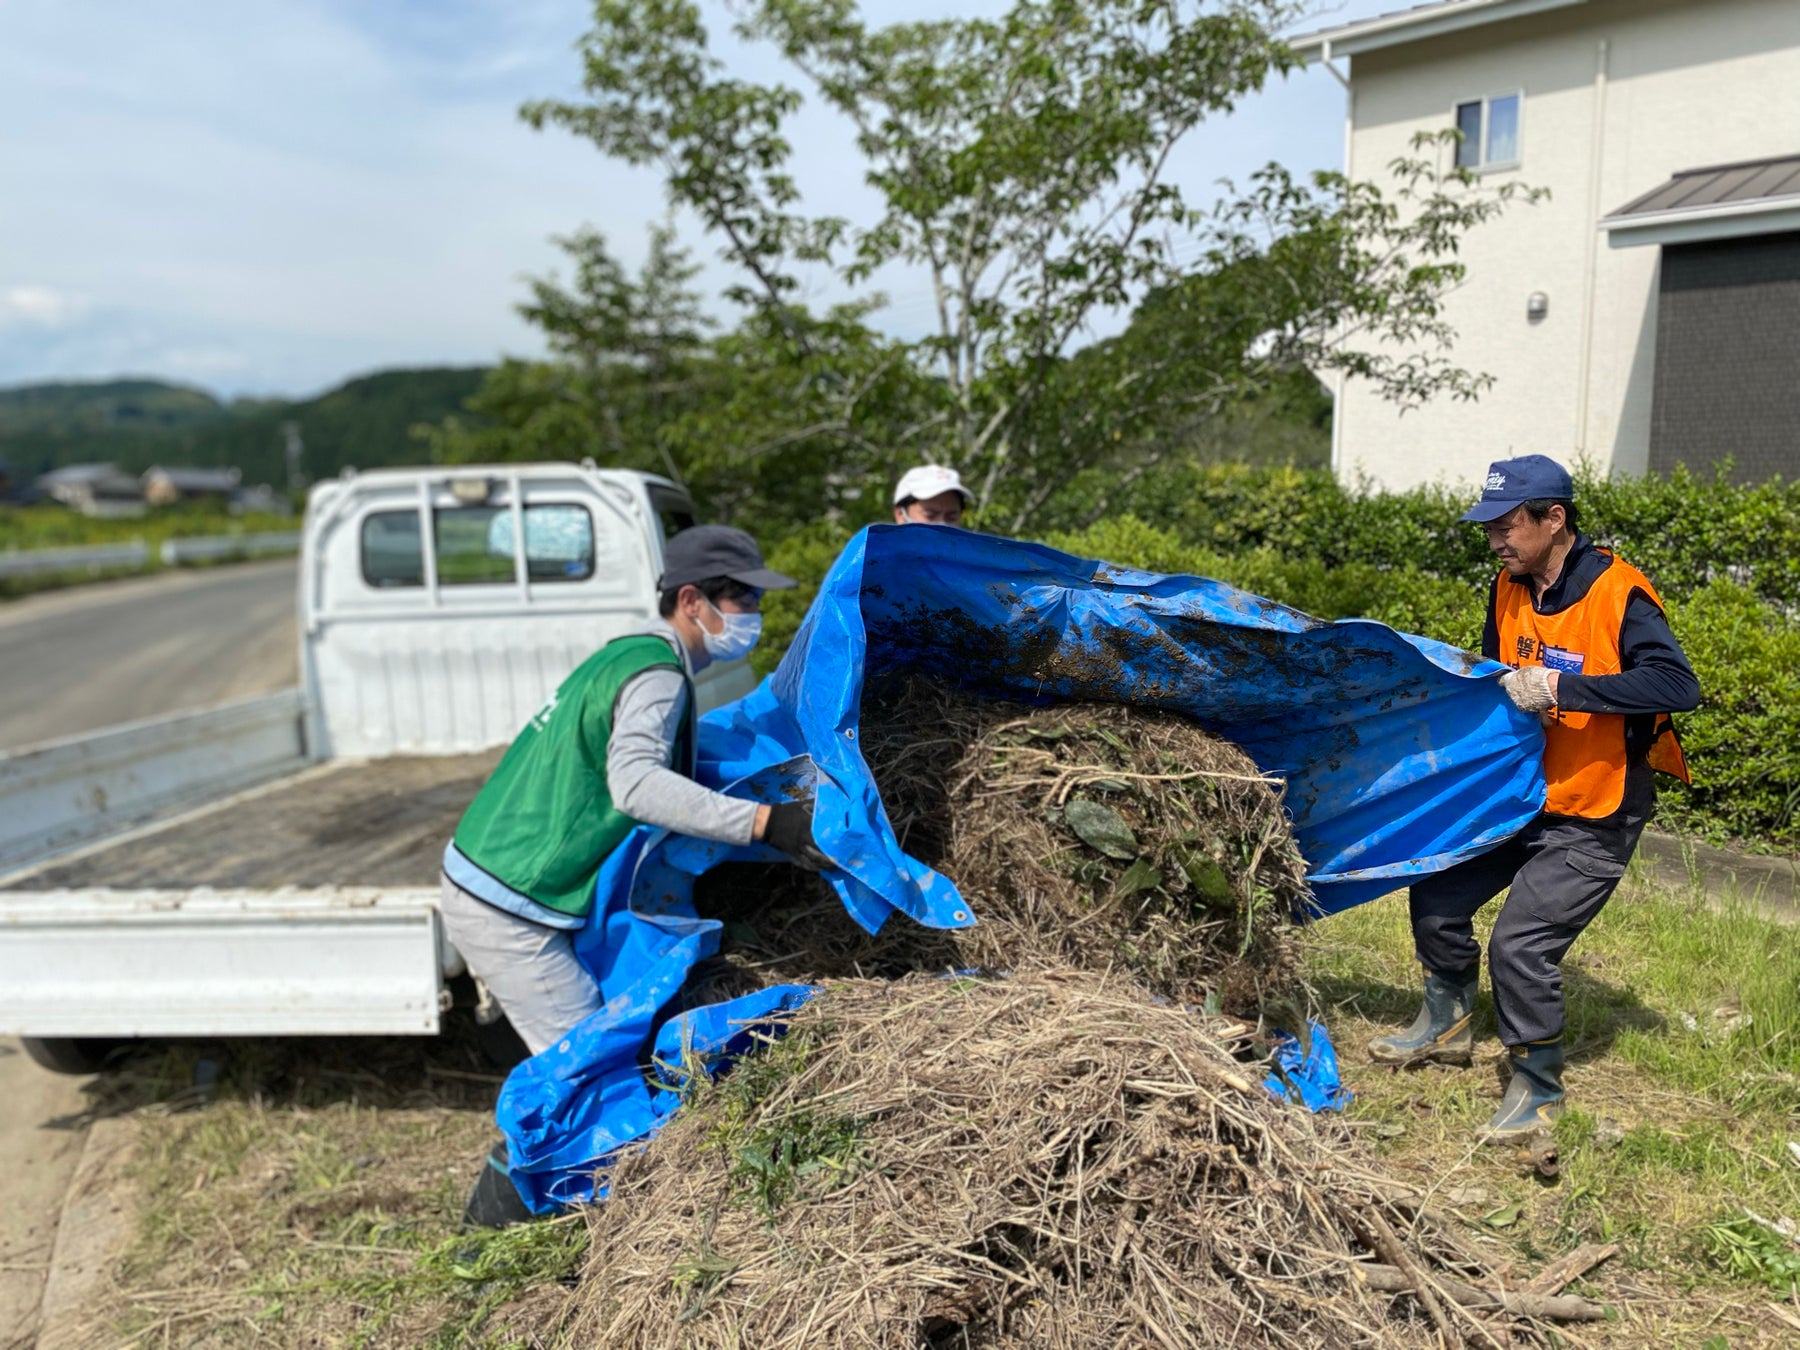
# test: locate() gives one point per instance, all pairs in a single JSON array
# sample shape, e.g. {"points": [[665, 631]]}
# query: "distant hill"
{"points": [[137, 423]]}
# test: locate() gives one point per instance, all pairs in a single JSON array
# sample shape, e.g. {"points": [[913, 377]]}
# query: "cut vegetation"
{"points": [[1089, 836], [1047, 1160]]}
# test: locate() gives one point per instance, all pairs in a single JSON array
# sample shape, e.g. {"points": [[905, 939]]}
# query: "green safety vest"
{"points": [[541, 826]]}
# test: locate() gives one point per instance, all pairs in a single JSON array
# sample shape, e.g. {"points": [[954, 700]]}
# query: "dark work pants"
{"points": [[1561, 870]]}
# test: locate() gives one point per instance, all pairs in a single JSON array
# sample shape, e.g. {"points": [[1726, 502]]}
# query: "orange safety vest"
{"points": [[1584, 753]]}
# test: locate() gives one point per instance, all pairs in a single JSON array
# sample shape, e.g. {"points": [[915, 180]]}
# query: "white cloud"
{"points": [[39, 305]]}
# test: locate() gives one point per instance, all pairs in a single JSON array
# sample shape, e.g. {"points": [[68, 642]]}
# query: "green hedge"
{"points": [[1743, 742], [1683, 530], [1405, 596]]}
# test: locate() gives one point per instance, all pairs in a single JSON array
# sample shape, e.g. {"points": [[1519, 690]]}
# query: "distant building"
{"points": [[165, 486], [261, 500], [1648, 313], [94, 489]]}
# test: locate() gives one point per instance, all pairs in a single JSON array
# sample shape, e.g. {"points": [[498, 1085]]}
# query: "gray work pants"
{"points": [[529, 968], [1561, 871]]}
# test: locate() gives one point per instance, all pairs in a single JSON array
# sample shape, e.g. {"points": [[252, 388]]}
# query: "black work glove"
{"points": [[790, 830]]}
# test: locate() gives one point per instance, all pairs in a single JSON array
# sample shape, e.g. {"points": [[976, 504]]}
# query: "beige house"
{"points": [[1649, 312], [164, 486]]}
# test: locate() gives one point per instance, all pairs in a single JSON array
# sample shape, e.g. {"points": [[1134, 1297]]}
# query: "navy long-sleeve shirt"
{"points": [[1654, 675]]}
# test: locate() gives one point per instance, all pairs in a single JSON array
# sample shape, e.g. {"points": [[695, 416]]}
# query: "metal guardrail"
{"points": [[62, 793], [92, 558], [211, 548], [135, 555]]}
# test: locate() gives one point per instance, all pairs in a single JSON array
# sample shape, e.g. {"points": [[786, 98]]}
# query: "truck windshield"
{"points": [[475, 545]]}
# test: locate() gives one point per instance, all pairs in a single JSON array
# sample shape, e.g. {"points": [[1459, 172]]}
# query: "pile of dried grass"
{"points": [[1049, 1160], [1092, 836]]}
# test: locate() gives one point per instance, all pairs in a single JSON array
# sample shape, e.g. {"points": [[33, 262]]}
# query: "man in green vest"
{"points": [[612, 749]]}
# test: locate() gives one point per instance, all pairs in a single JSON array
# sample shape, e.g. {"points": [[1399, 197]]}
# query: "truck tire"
{"points": [[67, 1054]]}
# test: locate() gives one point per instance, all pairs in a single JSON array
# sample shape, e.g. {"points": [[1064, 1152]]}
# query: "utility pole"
{"points": [[294, 448]]}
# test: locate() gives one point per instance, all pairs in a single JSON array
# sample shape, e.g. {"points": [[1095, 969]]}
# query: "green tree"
{"points": [[1021, 164], [627, 354], [760, 420]]}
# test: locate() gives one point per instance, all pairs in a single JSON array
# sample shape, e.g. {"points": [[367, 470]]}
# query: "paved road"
{"points": [[73, 661], [77, 660]]}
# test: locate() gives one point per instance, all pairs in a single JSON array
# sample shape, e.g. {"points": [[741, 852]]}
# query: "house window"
{"points": [[1490, 132]]}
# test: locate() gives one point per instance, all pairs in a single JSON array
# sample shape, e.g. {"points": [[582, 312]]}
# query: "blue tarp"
{"points": [[1309, 1077], [1401, 756]]}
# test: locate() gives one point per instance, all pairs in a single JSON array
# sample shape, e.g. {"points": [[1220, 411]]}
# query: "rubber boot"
{"points": [[1443, 1032], [495, 1201], [1534, 1096]]}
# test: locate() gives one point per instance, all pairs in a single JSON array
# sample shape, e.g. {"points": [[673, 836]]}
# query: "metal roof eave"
{"points": [[1693, 225], [1414, 25]]}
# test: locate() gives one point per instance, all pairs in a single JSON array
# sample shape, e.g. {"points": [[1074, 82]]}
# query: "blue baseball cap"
{"points": [[1525, 479]]}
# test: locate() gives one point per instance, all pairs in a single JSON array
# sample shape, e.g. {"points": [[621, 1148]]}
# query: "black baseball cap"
{"points": [[1529, 478], [702, 552]]}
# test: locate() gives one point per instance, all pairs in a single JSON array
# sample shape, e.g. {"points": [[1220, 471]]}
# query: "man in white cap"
{"points": [[930, 495]]}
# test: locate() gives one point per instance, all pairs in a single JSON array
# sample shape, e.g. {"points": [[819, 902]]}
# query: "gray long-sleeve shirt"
{"points": [[647, 717]]}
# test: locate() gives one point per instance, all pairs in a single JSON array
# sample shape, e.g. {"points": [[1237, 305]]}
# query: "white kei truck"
{"points": [[270, 867]]}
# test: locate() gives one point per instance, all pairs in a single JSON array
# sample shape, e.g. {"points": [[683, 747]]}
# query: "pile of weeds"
{"points": [[1047, 1160], [1084, 836]]}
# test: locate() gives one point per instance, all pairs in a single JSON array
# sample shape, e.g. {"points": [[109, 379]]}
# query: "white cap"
{"points": [[929, 480]]}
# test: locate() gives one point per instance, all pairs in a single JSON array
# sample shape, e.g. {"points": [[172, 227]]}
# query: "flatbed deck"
{"points": [[380, 822]]}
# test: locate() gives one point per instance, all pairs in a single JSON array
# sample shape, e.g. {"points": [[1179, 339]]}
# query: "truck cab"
{"points": [[269, 867], [439, 609]]}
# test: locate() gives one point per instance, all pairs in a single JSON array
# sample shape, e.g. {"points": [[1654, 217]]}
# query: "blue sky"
{"points": [[268, 197]]}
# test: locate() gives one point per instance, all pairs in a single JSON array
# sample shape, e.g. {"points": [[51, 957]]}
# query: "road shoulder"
{"points": [[96, 1226], [1770, 884], [96, 594], [43, 1125]]}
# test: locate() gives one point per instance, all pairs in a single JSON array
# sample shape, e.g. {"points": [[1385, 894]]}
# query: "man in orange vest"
{"points": [[1592, 654]]}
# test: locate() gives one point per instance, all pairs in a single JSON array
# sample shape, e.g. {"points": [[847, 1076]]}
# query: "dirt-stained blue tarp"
{"points": [[1401, 756]]}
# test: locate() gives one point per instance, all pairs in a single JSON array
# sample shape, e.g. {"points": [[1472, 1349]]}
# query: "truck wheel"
{"points": [[65, 1054]]}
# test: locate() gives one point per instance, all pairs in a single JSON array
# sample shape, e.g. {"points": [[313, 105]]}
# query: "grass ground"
{"points": [[306, 1193], [308, 1197], [1684, 1090]]}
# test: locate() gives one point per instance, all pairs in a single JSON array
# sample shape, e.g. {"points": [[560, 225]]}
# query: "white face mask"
{"points": [[737, 638]]}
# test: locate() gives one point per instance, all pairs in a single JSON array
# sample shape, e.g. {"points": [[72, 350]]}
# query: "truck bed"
{"points": [[380, 822]]}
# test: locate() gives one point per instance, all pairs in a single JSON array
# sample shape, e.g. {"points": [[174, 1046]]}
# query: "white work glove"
{"points": [[1529, 689]]}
